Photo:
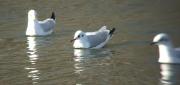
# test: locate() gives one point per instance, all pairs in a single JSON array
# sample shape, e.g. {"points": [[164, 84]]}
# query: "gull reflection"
{"points": [[170, 74], [33, 72], [80, 54], [86, 59]]}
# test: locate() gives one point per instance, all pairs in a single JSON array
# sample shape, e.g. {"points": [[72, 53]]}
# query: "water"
{"points": [[127, 59]]}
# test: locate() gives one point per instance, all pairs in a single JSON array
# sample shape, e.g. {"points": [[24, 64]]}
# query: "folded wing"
{"points": [[96, 38], [177, 52], [47, 25]]}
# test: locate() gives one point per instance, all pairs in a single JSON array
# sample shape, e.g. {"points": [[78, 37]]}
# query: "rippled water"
{"points": [[126, 60]]}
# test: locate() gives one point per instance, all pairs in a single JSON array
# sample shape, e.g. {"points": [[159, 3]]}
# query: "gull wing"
{"points": [[96, 38], [47, 25]]}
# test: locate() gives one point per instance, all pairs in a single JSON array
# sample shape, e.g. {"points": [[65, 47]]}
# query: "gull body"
{"points": [[94, 40], [39, 28]]}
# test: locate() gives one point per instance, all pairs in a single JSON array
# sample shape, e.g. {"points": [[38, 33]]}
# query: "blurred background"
{"points": [[127, 59]]}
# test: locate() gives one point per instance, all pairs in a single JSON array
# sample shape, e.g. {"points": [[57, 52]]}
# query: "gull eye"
{"points": [[78, 36], [163, 39], [82, 35]]}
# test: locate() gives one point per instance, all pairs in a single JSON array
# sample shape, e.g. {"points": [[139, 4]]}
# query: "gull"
{"points": [[93, 40], [39, 28], [167, 52]]}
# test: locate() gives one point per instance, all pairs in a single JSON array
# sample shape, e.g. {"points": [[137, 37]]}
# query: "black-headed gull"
{"points": [[167, 52], [94, 40], [39, 28]]}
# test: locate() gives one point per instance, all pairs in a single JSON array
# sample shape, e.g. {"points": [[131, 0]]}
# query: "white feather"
{"points": [[39, 28]]}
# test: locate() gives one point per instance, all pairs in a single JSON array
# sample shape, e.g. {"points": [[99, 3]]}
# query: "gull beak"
{"points": [[153, 43], [73, 39]]}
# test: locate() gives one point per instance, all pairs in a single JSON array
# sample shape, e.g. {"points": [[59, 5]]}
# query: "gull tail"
{"points": [[112, 31], [103, 28], [53, 16]]}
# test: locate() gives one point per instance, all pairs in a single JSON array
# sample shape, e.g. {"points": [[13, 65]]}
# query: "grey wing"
{"points": [[47, 25], [177, 51], [96, 38]]}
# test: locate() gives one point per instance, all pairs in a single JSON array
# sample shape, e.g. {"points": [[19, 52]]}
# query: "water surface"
{"points": [[127, 59]]}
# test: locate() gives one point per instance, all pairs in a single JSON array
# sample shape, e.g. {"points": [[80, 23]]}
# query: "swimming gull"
{"points": [[39, 28], [94, 40], [167, 52]]}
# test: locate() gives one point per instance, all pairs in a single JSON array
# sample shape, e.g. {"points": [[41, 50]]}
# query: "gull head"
{"points": [[80, 40], [161, 39], [79, 35], [32, 14]]}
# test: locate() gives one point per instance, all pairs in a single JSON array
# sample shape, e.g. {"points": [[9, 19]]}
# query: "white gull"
{"points": [[39, 28], [167, 52], [94, 40]]}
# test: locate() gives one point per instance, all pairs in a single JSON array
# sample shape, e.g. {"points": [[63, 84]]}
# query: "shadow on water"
{"points": [[34, 45], [170, 74]]}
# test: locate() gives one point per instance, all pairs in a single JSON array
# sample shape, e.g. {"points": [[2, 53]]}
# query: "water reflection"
{"points": [[80, 55], [170, 74], [87, 60], [87, 53], [32, 53]]}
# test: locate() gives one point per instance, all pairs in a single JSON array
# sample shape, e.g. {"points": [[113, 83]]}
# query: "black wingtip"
{"points": [[53, 16], [112, 31]]}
